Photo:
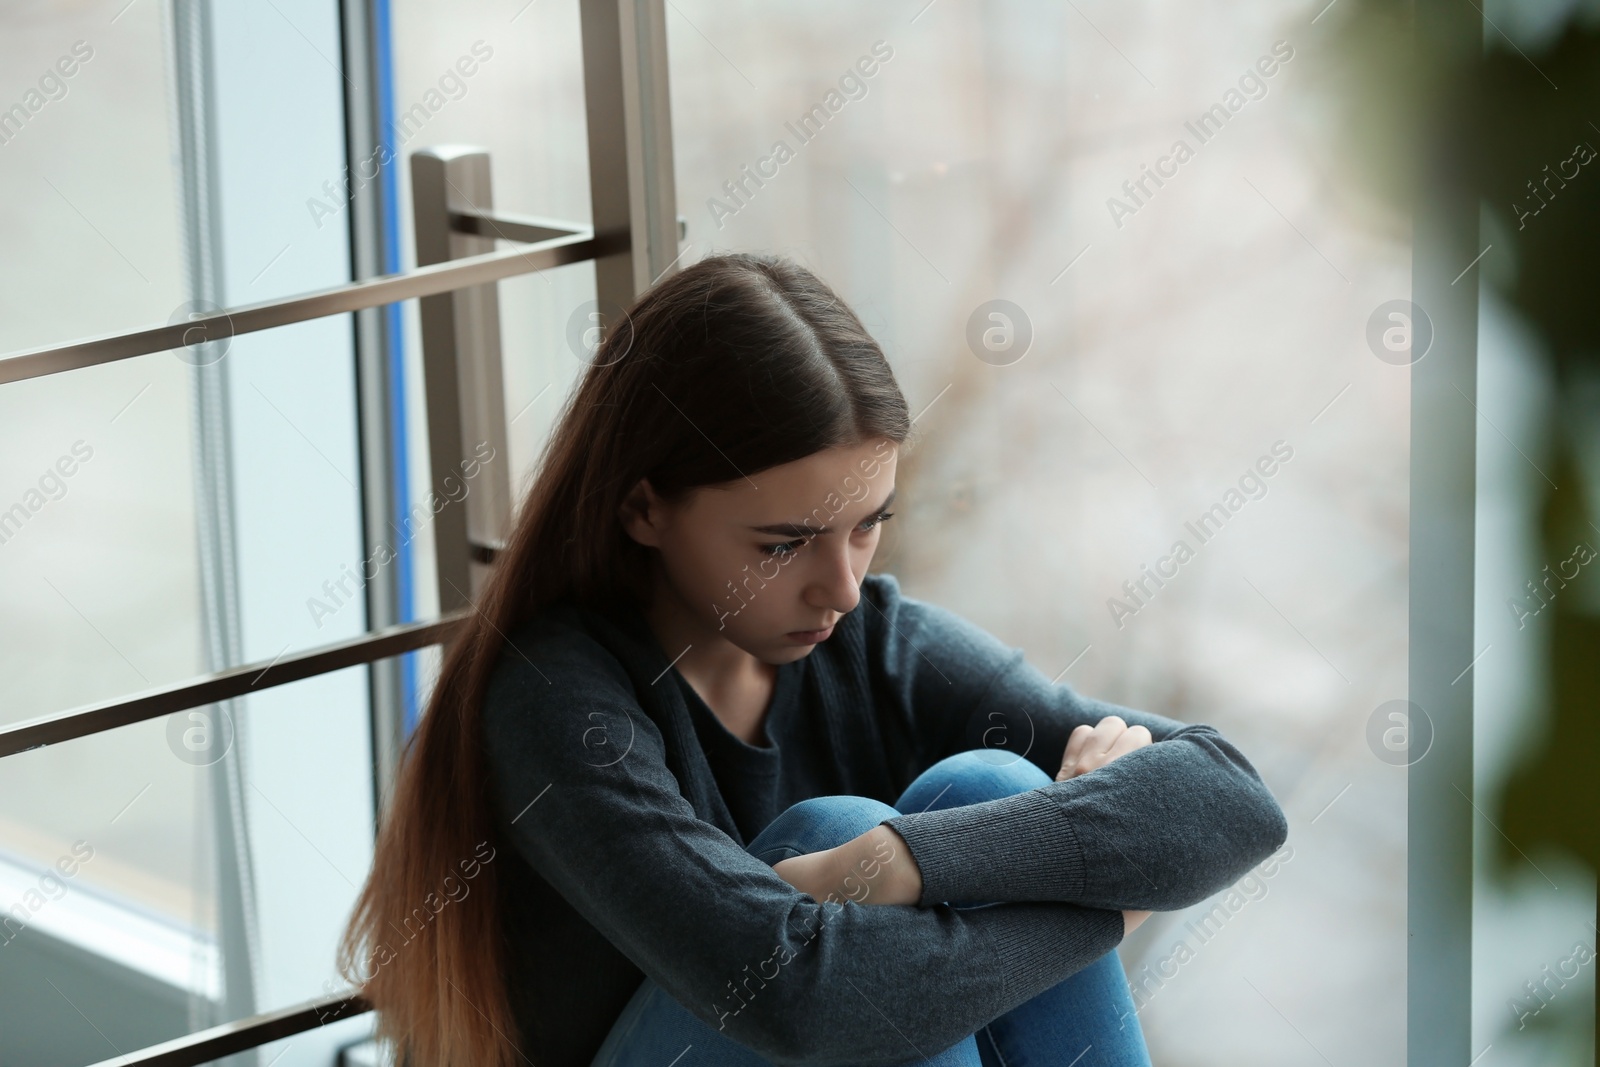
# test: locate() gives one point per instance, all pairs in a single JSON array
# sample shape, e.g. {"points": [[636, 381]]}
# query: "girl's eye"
{"points": [[784, 548], [875, 520]]}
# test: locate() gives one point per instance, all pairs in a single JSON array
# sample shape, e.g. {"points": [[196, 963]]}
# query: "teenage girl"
{"points": [[693, 788]]}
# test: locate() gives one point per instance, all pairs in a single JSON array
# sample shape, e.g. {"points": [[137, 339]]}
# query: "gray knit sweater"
{"points": [[623, 808]]}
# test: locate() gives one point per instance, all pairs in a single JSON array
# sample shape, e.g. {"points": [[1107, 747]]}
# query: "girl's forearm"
{"points": [[874, 868]]}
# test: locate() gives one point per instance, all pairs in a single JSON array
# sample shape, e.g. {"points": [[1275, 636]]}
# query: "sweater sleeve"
{"points": [[582, 791], [1159, 828]]}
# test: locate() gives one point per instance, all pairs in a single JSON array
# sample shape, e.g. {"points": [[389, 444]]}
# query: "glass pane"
{"points": [[1534, 687], [1536, 679], [98, 566], [523, 102], [1101, 246], [101, 955], [146, 892]]}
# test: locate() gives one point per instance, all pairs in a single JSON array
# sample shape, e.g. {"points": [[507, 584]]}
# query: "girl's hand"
{"points": [[1092, 747], [875, 868]]}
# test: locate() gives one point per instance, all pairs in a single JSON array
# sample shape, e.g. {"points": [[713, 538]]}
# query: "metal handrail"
{"points": [[529, 229], [226, 685], [577, 246], [204, 1046]]}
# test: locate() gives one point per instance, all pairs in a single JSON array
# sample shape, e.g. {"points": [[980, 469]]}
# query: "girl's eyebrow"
{"points": [[790, 529]]}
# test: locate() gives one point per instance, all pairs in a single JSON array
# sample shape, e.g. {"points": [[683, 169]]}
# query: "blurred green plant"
{"points": [[1521, 128]]}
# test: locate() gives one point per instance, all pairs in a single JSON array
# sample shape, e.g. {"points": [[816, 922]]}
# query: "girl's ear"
{"points": [[641, 512]]}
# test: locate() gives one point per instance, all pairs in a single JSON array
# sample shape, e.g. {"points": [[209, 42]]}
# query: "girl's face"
{"points": [[770, 563]]}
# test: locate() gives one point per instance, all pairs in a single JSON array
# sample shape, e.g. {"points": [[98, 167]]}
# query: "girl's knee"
{"points": [[819, 823], [971, 777], [840, 810]]}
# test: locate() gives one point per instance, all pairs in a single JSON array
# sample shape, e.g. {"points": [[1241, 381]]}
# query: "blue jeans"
{"points": [[1087, 1020]]}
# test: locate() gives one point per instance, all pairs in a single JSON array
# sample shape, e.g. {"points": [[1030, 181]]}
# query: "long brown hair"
{"points": [[730, 366]]}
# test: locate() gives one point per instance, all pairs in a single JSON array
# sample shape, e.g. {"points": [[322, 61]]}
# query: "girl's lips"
{"points": [[811, 637]]}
